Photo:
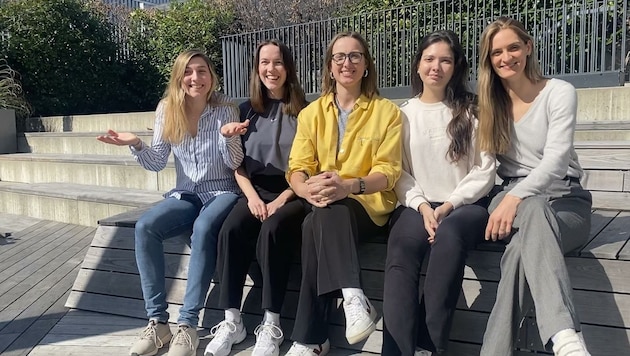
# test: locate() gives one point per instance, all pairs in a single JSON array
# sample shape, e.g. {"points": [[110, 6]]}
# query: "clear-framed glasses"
{"points": [[339, 58]]}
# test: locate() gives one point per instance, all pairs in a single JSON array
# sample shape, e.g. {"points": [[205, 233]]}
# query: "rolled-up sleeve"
{"points": [[387, 160], [303, 156]]}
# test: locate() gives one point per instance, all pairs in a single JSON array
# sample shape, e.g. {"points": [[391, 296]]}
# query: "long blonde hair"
{"points": [[175, 120], [494, 102], [368, 83]]}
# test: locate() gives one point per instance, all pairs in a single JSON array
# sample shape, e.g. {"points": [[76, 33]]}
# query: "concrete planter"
{"points": [[8, 139]]}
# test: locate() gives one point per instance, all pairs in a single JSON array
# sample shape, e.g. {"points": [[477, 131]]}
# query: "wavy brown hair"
{"points": [[368, 84], [457, 97], [175, 120], [494, 102], [293, 96]]}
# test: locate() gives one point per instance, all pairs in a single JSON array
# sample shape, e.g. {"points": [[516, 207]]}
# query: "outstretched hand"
{"points": [[234, 128], [119, 138]]}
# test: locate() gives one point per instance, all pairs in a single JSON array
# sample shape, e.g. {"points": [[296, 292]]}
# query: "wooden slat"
{"points": [[20, 238], [608, 180], [609, 242], [30, 273], [28, 242], [611, 200], [626, 181], [617, 159], [602, 125]]}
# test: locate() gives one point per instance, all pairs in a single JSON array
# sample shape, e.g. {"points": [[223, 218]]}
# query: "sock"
{"points": [[233, 315], [348, 293], [561, 333], [271, 318]]}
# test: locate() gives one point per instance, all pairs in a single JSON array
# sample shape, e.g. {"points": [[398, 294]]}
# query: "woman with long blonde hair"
{"points": [[540, 211], [188, 122]]}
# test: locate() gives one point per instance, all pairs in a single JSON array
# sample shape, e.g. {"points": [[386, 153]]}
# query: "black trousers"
{"points": [[330, 261], [275, 241], [408, 323]]}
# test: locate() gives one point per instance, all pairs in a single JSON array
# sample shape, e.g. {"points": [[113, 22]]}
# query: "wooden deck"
{"points": [[39, 265], [37, 268]]}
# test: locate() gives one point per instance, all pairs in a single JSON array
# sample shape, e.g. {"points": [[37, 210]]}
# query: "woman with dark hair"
{"points": [[540, 210], [344, 161], [268, 215], [188, 122], [444, 176]]}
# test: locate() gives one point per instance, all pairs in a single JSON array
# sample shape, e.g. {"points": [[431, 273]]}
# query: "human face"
{"points": [[271, 70], [508, 54], [348, 74], [197, 79], [436, 66]]}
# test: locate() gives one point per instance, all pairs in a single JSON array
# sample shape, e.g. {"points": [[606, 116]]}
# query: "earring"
{"points": [[332, 76], [365, 74]]}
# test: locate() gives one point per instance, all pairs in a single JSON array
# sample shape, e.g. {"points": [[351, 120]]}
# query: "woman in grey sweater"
{"points": [[540, 210]]}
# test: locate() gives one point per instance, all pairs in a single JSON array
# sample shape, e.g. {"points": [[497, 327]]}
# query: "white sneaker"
{"points": [[569, 343], [225, 334], [269, 337], [422, 352], [360, 318], [309, 350]]}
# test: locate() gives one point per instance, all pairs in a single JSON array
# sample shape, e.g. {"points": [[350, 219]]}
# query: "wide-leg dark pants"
{"points": [[274, 240], [330, 261], [427, 324]]}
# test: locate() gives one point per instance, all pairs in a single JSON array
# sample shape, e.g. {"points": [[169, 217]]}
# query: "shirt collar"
{"points": [[329, 101]]}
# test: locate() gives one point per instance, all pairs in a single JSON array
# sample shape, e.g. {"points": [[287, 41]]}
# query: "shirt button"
{"points": [[342, 150]]}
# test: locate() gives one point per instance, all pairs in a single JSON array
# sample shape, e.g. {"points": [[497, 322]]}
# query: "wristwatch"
{"points": [[361, 186]]}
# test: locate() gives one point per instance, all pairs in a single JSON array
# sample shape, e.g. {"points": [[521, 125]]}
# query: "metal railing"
{"points": [[585, 41]]}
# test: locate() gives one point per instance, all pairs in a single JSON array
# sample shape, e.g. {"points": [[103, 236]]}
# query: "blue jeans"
{"points": [[169, 218]]}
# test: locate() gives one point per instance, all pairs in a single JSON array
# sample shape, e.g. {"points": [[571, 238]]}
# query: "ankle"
{"points": [[271, 318], [233, 315], [348, 293]]}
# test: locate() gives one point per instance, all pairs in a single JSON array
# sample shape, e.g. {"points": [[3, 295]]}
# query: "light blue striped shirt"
{"points": [[204, 164]]}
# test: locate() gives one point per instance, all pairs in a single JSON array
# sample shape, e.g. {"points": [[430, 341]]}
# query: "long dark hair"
{"points": [[293, 96], [457, 96]]}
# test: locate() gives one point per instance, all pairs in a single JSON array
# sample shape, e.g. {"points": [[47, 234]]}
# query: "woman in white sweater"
{"points": [[444, 176], [540, 211]]}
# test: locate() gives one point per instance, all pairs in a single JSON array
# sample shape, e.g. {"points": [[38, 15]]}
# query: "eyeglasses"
{"points": [[340, 58]]}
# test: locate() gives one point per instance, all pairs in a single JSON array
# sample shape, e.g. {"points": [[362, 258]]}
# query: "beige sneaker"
{"points": [[185, 342], [153, 338]]}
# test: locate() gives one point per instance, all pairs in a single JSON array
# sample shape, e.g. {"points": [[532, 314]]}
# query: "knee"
{"points": [[145, 229], [402, 247], [532, 206]]}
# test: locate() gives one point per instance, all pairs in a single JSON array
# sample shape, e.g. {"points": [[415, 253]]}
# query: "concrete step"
{"points": [[101, 170], [71, 203], [140, 121], [72, 143]]}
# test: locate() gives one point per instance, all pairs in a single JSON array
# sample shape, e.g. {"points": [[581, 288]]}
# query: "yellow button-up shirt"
{"points": [[371, 144]]}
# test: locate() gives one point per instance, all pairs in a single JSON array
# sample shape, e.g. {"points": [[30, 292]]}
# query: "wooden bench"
{"points": [[108, 280]]}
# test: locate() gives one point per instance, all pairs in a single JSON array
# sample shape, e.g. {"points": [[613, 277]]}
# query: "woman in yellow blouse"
{"points": [[345, 160]]}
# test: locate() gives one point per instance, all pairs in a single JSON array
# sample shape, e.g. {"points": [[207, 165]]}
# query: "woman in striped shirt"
{"points": [[188, 122]]}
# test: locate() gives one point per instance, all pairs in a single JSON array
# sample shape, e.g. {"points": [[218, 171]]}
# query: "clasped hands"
{"points": [[433, 217], [326, 188]]}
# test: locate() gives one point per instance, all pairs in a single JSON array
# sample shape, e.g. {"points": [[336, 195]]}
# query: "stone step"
{"points": [[101, 170], [72, 143], [71, 203], [139, 121]]}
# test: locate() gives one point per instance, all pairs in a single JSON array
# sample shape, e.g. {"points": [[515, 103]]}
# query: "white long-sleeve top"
{"points": [[428, 173], [541, 146]]}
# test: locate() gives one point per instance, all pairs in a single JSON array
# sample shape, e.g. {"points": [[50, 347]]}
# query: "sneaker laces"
{"points": [[183, 338], [267, 334], [222, 331], [354, 309], [150, 333]]}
